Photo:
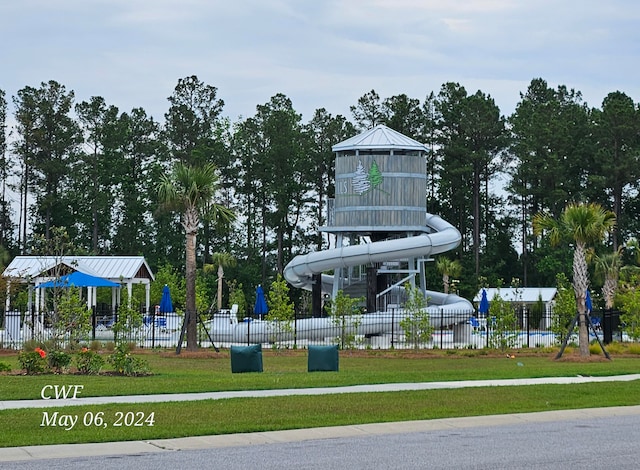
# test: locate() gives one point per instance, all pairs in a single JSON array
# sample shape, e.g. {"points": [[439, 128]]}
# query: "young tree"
{"points": [[73, 319], [416, 324], [629, 300], [564, 309], [220, 260], [281, 310], [608, 269], [346, 315], [191, 191], [448, 268], [503, 324], [584, 225]]}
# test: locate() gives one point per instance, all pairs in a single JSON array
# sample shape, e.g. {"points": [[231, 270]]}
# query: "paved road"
{"points": [[593, 438]]}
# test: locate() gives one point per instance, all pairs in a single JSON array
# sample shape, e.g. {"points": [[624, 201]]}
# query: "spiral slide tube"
{"points": [[441, 237], [444, 309]]}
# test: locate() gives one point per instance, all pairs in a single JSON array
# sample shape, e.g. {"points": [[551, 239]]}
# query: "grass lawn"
{"points": [[210, 371]]}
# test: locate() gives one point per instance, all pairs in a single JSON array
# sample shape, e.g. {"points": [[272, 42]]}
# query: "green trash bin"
{"points": [[323, 358], [246, 358]]}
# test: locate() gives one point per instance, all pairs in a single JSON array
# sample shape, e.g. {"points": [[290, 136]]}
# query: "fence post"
{"points": [[527, 314], [393, 323], [441, 326]]}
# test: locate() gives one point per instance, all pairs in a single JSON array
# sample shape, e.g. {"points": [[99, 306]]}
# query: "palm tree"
{"points": [[448, 268], [608, 268], [582, 224], [191, 191], [220, 261]]}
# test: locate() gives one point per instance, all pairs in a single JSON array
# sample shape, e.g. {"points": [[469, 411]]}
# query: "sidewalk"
{"points": [[10, 454], [388, 387]]}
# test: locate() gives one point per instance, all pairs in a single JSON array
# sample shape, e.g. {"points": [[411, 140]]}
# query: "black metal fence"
{"points": [[389, 330]]}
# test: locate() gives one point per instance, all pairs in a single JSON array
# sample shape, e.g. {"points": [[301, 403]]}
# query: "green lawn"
{"points": [[212, 372]]}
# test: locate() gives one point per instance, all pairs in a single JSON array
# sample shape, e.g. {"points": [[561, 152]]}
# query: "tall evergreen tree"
{"points": [[47, 147], [286, 171], [324, 131], [95, 173], [403, 114], [191, 121], [368, 113], [551, 146], [137, 227], [472, 135], [6, 225], [617, 131], [193, 131]]}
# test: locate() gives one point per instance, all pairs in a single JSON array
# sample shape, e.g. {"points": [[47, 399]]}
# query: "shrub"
{"points": [[5, 367], [594, 348], [31, 344], [633, 348], [59, 361], [614, 348], [95, 345], [33, 362], [89, 362], [126, 364]]}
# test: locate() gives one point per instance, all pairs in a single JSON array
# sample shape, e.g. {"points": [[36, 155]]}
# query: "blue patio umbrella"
{"points": [[587, 302], [260, 308], [484, 303], [166, 305]]}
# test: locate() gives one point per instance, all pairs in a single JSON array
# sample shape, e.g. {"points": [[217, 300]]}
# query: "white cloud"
{"points": [[319, 53]]}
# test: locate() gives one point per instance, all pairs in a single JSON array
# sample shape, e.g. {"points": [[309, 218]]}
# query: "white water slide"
{"points": [[444, 309], [439, 237]]}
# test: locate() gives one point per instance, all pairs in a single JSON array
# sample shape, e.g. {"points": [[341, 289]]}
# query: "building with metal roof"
{"points": [[36, 270]]}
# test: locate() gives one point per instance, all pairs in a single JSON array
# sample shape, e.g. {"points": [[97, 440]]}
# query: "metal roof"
{"points": [[522, 294], [114, 268], [379, 138]]}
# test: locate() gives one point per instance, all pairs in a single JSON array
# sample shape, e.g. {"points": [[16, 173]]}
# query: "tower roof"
{"points": [[379, 138]]}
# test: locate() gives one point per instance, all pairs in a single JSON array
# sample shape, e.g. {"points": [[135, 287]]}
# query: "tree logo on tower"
{"points": [[363, 181]]}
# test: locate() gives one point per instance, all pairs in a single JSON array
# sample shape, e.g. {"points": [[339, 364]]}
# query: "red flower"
{"points": [[42, 353], [85, 350]]}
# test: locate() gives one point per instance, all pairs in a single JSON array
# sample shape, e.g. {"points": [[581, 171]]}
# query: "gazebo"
{"points": [[40, 272]]}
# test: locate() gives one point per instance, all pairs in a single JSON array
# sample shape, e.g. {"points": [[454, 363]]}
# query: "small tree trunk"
{"points": [[580, 284], [190, 299], [220, 278]]}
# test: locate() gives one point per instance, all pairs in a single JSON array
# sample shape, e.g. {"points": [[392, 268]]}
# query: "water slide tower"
{"points": [[380, 194]]}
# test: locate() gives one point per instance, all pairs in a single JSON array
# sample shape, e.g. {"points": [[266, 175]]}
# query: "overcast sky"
{"points": [[319, 53]]}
